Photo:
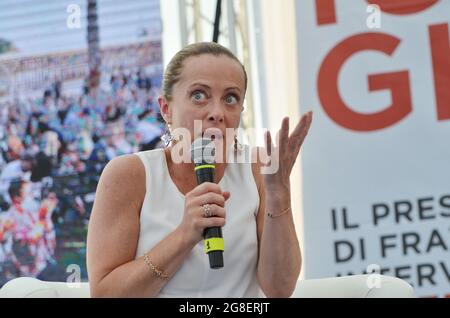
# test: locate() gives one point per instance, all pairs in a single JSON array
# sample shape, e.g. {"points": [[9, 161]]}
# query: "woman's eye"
{"points": [[198, 96], [231, 99]]}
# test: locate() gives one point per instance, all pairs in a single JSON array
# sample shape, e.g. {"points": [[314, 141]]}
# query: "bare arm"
{"points": [[114, 232], [280, 260], [113, 236]]}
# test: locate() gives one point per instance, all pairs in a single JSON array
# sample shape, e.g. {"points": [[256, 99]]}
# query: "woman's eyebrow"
{"points": [[206, 86], [209, 88], [233, 88], [199, 84]]}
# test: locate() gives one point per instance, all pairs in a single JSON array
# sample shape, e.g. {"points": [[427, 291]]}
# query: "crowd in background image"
{"points": [[52, 152]]}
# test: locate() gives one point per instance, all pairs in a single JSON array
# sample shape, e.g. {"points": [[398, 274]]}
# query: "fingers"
{"points": [[269, 144], [213, 199], [283, 134], [217, 217], [226, 195], [302, 126], [301, 130], [214, 210], [308, 120], [281, 138], [211, 222], [200, 224], [205, 188], [208, 198]]}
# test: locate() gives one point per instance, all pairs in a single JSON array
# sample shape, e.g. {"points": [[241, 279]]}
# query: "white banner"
{"points": [[376, 165]]}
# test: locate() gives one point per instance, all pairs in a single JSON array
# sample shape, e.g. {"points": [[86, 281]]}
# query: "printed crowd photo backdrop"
{"points": [[58, 129]]}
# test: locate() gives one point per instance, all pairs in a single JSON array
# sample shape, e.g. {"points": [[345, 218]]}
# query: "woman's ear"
{"points": [[165, 109]]}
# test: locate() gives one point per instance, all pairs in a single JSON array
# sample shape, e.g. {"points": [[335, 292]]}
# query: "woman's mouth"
{"points": [[213, 134]]}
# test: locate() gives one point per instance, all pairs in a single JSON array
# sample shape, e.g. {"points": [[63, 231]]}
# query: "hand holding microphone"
{"points": [[203, 153], [195, 221]]}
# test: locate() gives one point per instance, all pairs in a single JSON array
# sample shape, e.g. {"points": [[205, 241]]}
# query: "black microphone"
{"points": [[203, 153]]}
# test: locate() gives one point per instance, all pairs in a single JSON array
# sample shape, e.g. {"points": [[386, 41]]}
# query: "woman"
{"points": [[145, 233]]}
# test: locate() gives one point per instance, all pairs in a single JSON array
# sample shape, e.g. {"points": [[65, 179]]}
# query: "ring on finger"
{"points": [[206, 210]]}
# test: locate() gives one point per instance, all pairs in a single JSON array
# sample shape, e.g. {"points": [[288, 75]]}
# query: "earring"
{"points": [[167, 137]]}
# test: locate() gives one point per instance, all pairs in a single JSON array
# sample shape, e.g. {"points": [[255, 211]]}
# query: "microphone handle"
{"points": [[211, 234], [205, 174], [215, 257]]}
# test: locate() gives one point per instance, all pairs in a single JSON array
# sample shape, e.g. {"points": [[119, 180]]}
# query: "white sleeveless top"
{"points": [[162, 211]]}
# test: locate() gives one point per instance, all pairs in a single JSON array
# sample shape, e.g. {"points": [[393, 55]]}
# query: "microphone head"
{"points": [[203, 151]]}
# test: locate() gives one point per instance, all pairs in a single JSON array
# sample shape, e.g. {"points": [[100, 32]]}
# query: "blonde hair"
{"points": [[175, 66]]}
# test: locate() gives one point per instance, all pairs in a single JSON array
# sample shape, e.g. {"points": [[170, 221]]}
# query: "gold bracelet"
{"points": [[158, 273], [270, 215]]}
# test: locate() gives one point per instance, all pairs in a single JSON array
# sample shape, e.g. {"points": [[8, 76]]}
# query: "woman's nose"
{"points": [[216, 114]]}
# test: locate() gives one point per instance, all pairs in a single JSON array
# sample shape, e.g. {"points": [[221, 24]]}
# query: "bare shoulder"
{"points": [[123, 178], [126, 166]]}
